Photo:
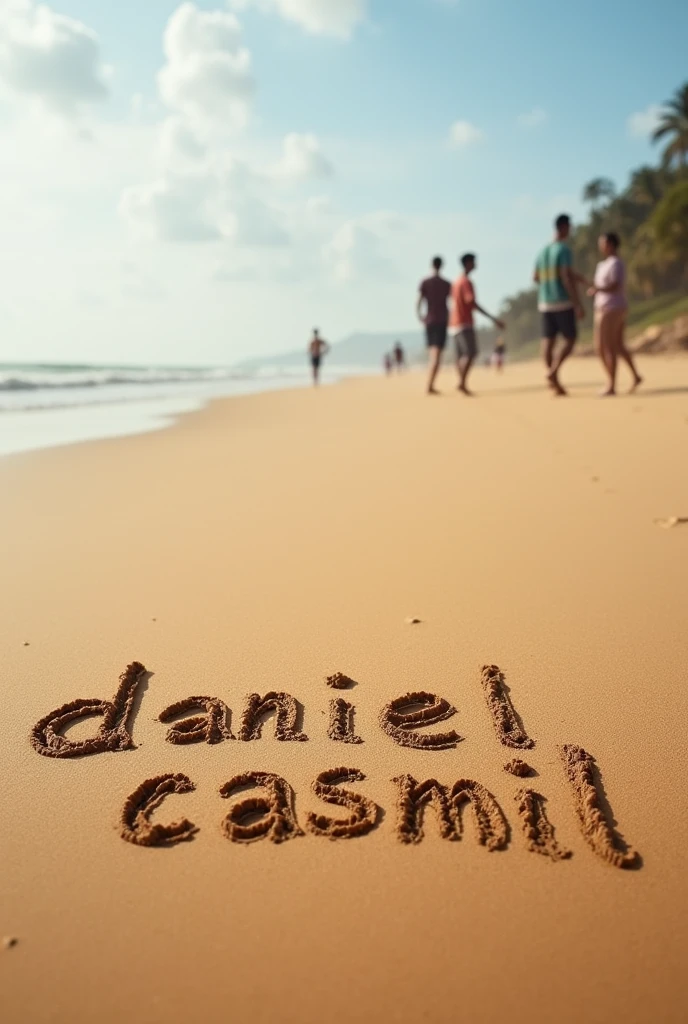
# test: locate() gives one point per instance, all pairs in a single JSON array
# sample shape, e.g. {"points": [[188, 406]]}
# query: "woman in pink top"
{"points": [[609, 290]]}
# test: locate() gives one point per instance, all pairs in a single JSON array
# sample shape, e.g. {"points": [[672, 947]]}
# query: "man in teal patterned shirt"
{"points": [[558, 300]]}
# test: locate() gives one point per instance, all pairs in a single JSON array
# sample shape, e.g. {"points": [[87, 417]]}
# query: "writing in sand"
{"points": [[262, 804]]}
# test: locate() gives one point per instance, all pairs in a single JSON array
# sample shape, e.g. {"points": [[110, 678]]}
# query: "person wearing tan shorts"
{"points": [[609, 292]]}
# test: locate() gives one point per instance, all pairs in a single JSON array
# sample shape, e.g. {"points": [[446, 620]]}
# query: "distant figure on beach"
{"points": [[609, 292], [399, 357], [317, 349], [388, 364], [558, 300], [498, 354], [464, 305], [432, 311]]}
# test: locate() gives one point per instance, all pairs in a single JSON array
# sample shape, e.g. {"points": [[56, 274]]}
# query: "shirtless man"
{"points": [[317, 348], [433, 294], [558, 300]]}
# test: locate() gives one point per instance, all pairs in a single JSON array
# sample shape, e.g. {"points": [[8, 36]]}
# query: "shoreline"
{"points": [[38, 428], [259, 547], [43, 428]]}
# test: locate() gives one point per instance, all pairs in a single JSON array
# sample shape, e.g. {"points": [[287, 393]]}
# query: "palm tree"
{"points": [[646, 263], [648, 185], [597, 191], [670, 222], [674, 126]]}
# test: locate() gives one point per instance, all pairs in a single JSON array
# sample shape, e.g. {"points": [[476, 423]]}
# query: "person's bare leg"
{"points": [[604, 349], [628, 359], [610, 353], [559, 360], [435, 354], [464, 370], [623, 353], [548, 356], [459, 368]]}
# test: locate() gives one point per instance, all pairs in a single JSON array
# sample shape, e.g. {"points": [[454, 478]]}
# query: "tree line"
{"points": [[650, 215]]}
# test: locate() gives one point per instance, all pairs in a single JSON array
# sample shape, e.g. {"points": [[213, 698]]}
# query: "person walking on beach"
{"points": [[558, 300], [609, 292], [399, 357], [432, 311], [498, 354], [317, 349], [464, 305], [388, 364]]}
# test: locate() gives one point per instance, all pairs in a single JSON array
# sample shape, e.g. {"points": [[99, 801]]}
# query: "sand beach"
{"points": [[267, 542]]}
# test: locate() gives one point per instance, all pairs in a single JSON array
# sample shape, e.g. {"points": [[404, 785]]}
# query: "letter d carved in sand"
{"points": [[113, 734]]}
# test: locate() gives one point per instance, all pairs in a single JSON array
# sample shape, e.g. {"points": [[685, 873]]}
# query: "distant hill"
{"points": [[357, 350]]}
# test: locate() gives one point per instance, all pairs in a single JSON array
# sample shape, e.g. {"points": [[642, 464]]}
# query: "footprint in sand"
{"points": [[668, 524]]}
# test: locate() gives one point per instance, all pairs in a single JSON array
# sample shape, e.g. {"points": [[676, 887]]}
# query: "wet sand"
{"points": [[255, 550]]}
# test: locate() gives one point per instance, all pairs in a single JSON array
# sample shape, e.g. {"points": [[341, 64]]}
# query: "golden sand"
{"points": [[256, 550]]}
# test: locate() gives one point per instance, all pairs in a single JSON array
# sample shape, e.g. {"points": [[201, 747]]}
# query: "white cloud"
{"points": [[50, 57], [202, 194], [641, 124], [179, 141], [208, 74], [228, 274], [302, 158], [210, 204], [137, 283], [356, 251], [175, 208], [337, 18], [258, 224], [533, 119], [463, 134]]}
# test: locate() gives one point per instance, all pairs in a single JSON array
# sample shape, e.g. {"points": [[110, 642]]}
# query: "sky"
{"points": [[199, 183]]}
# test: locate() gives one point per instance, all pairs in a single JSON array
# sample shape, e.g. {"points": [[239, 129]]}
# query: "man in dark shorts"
{"points": [[558, 300], [464, 305], [317, 348], [433, 294]]}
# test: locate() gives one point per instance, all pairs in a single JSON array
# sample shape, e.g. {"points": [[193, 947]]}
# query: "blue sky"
{"points": [[168, 219]]}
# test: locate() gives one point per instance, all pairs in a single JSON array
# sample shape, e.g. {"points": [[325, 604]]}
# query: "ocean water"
{"points": [[42, 406]]}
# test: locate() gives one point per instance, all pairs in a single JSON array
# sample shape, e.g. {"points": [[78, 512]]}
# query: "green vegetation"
{"points": [[646, 313], [651, 217], [662, 310]]}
